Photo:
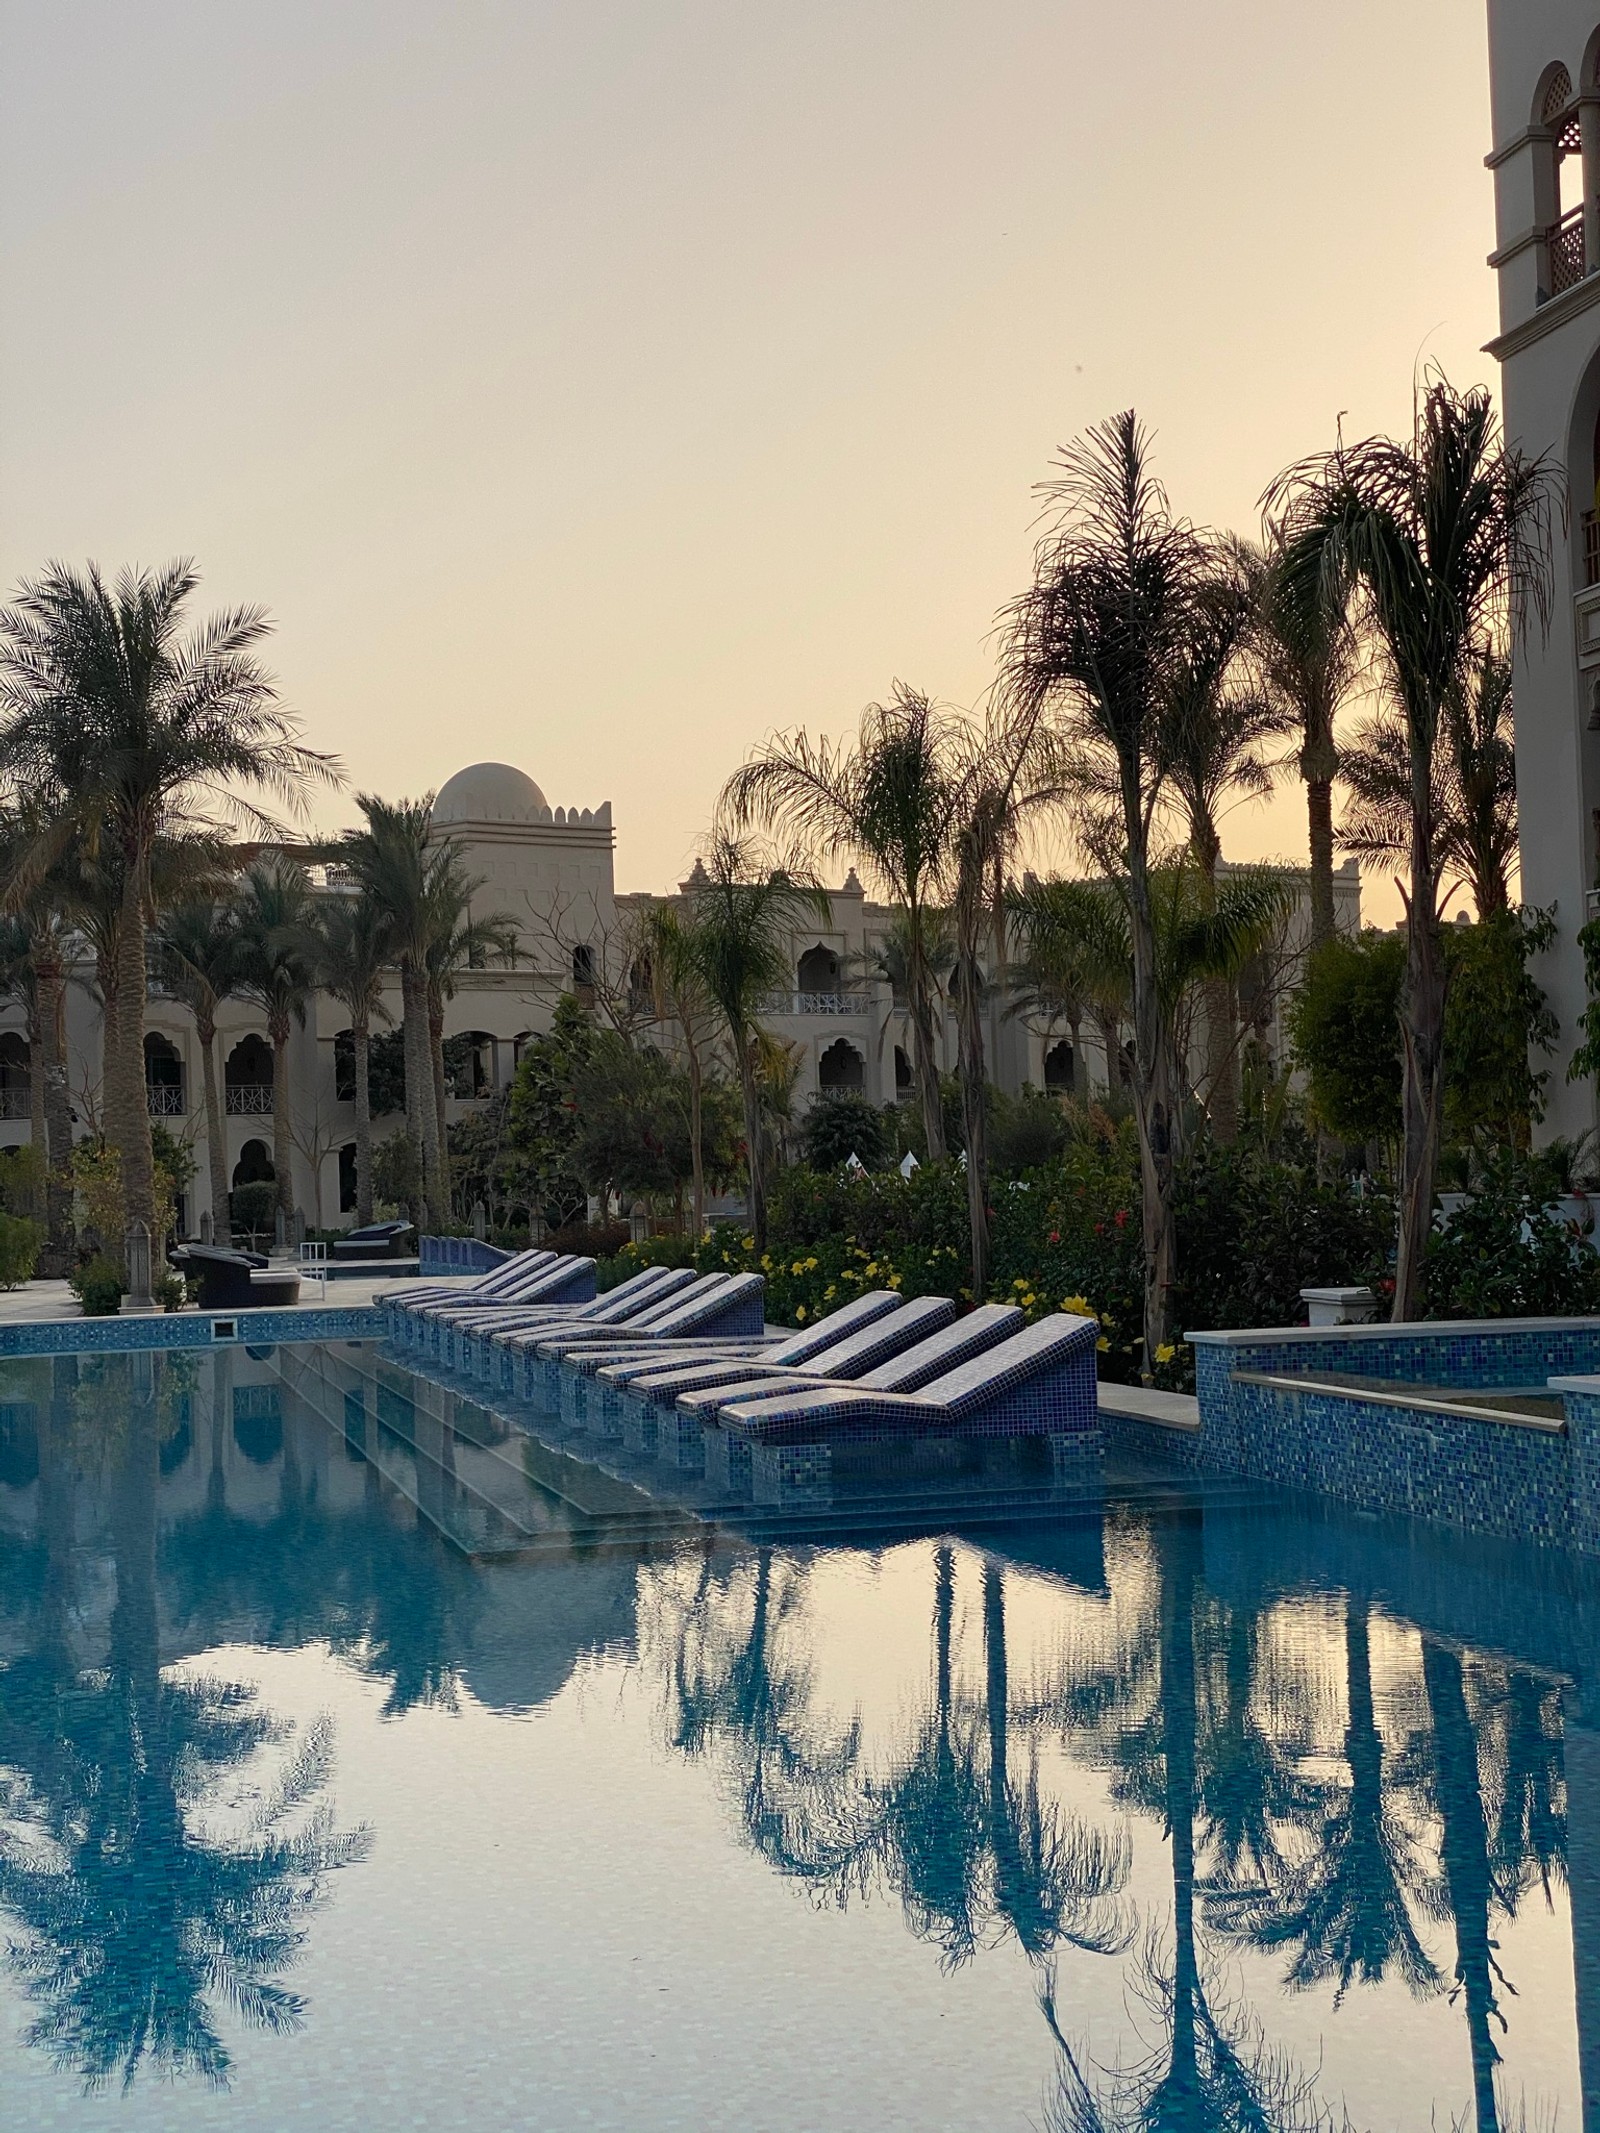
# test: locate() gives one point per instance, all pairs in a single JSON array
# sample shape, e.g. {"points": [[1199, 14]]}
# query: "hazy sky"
{"points": [[597, 385]]}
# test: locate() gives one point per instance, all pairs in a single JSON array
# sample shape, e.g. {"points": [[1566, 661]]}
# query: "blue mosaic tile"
{"points": [[185, 1329]]}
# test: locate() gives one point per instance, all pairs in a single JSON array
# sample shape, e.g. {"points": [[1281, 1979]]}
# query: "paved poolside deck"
{"points": [[44, 1302]]}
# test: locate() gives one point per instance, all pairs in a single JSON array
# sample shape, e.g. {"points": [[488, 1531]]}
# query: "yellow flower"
{"points": [[799, 1267], [1019, 1283], [1079, 1304], [894, 1281], [799, 1310], [829, 1293], [766, 1262], [872, 1266], [1165, 1352], [1103, 1345]]}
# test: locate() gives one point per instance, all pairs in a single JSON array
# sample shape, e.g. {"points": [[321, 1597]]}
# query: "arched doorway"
{"points": [[904, 1079], [254, 1166], [347, 1178], [469, 1064], [247, 1078], [1059, 1066], [163, 1076], [841, 1067], [818, 970]]}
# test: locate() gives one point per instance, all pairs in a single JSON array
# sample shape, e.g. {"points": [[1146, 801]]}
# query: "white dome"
{"points": [[489, 792]]}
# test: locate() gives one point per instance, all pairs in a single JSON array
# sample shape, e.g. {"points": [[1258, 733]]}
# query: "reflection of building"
{"points": [[1545, 69], [549, 870]]}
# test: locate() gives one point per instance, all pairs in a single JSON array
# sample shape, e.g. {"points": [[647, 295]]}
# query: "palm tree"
{"points": [[742, 913], [1100, 632], [1446, 541], [889, 799], [1215, 726], [1075, 962], [1007, 771], [200, 946], [1308, 657], [1474, 790], [456, 941], [351, 952], [275, 969], [36, 884], [389, 860], [668, 955], [889, 959], [109, 715]]}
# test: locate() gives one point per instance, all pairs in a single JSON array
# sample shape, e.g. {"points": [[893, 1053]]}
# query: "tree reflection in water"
{"points": [[1370, 1835], [146, 1906]]}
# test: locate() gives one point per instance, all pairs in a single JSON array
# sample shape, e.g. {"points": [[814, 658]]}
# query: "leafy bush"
{"points": [[22, 1180], [99, 1287], [20, 1243], [171, 1292], [1026, 1132], [1508, 1253], [251, 1208], [841, 1125], [648, 1251]]}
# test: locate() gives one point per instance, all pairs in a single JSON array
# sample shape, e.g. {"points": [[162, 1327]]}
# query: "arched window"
{"points": [[904, 1079], [841, 1067], [469, 1065], [254, 1166], [583, 973], [1058, 1069], [247, 1078], [16, 1076], [1558, 183], [163, 1076], [818, 970]]}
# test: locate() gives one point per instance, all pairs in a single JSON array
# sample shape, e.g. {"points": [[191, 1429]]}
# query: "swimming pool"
{"points": [[1128, 1799]]}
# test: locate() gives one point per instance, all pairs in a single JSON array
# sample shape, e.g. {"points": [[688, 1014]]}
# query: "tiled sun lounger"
{"points": [[484, 1355], [568, 1281], [959, 1341], [494, 1283], [1039, 1382], [788, 1351], [847, 1357], [540, 1307], [718, 1304], [409, 1316]]}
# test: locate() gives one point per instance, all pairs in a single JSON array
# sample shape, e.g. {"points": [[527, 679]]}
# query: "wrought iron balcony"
{"points": [[249, 1099], [164, 1101], [1565, 241], [817, 1003], [15, 1103]]}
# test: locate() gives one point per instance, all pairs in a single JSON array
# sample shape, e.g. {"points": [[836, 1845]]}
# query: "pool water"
{"points": [[1160, 1805]]}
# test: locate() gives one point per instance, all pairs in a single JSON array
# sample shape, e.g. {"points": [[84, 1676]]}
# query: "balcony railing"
{"points": [[164, 1101], [817, 1003], [249, 1099], [1566, 252], [1591, 547], [15, 1103]]}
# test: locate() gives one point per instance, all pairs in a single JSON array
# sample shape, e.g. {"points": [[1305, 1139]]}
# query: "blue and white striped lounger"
{"points": [[846, 1357], [1040, 1382], [914, 1367]]}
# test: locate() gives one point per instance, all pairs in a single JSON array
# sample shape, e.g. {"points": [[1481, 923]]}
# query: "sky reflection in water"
{"points": [[1200, 1817]]}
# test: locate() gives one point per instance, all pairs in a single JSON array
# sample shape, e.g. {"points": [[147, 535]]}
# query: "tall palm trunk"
{"points": [[921, 1002], [1153, 1088], [697, 1152], [127, 1112], [282, 1137], [361, 1044], [744, 1044], [1222, 1050], [1318, 763], [422, 1116], [50, 1018], [1464, 1856], [974, 1120], [1422, 1038], [439, 1190], [216, 1138]]}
